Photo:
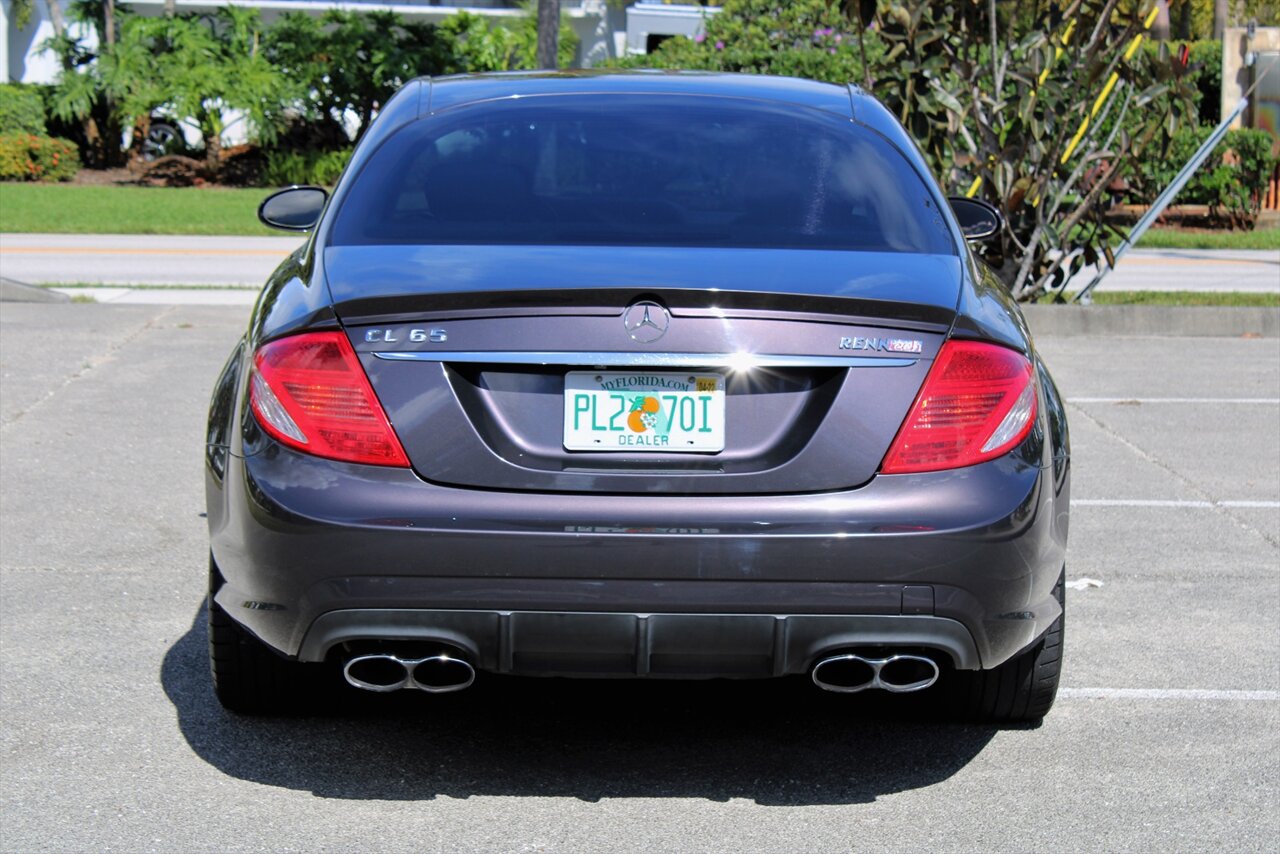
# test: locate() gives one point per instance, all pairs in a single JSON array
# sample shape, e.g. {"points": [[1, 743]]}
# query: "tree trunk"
{"points": [[95, 155], [55, 18], [170, 8], [112, 144], [137, 147], [995, 45], [1219, 17], [1160, 29], [548, 33], [1184, 20], [112, 135], [213, 153]]}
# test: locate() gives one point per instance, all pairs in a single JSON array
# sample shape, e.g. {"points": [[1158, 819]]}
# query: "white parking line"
{"points": [[1202, 505], [1166, 694], [1248, 401]]}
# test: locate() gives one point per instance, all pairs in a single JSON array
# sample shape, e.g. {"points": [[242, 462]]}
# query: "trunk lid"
{"points": [[818, 354]]}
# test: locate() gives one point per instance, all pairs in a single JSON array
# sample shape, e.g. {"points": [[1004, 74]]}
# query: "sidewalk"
{"points": [[205, 295], [1045, 320], [235, 262], [1248, 270], [128, 259], [229, 271]]}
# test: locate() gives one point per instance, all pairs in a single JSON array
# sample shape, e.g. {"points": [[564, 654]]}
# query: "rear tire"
{"points": [[162, 140], [248, 676], [1021, 690]]}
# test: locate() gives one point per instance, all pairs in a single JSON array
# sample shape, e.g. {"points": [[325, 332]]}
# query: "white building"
{"points": [[604, 29]]}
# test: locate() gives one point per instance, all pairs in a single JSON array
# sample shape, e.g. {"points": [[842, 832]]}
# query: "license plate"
{"points": [[640, 411]]}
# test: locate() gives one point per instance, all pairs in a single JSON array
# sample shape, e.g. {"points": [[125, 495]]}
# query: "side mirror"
{"points": [[293, 208], [978, 220]]}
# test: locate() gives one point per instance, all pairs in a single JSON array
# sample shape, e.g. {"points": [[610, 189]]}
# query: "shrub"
{"points": [[1253, 152], [352, 62], [21, 109], [809, 38], [1229, 181], [33, 157], [282, 168], [472, 43], [1203, 72]]}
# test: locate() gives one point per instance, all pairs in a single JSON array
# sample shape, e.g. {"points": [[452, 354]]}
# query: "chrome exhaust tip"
{"points": [[440, 674], [898, 674], [384, 672]]}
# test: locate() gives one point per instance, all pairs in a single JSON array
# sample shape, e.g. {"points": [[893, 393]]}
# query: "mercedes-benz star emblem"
{"points": [[646, 321]]}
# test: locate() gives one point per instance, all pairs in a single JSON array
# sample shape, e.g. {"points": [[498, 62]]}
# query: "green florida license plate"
{"points": [[643, 411]]}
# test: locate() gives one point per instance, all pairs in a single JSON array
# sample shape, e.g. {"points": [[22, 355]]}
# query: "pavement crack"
{"points": [[1216, 502], [91, 365]]}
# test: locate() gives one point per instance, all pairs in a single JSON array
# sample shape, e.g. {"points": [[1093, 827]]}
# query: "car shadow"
{"points": [[775, 742]]}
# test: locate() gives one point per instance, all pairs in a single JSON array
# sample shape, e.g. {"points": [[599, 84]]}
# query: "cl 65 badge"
{"points": [[414, 336]]}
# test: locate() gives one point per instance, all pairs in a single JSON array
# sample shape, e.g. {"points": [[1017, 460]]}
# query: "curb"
{"points": [[1162, 321], [1155, 320], [14, 291]]}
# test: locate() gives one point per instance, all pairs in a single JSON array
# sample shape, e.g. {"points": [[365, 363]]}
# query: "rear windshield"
{"points": [[640, 171]]}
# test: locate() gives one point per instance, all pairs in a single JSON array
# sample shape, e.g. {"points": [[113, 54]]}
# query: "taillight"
{"points": [[310, 393], [978, 402]]}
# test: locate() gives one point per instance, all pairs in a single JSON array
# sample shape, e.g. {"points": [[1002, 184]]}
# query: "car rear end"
{"points": [[653, 382]]}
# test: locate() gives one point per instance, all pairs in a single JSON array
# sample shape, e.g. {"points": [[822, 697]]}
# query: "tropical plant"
{"points": [[200, 67], [21, 10], [80, 95], [213, 65], [1201, 67], [476, 45], [129, 72], [814, 39], [1033, 112], [349, 63], [1038, 122]]}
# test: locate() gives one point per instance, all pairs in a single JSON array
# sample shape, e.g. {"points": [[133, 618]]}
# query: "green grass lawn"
{"points": [[79, 209], [83, 209], [1101, 296], [1171, 238]]}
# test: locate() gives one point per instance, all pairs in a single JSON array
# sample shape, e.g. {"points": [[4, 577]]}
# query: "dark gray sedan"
{"points": [[649, 375]]}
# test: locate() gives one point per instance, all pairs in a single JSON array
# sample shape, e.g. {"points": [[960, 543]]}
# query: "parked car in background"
{"points": [[637, 374], [164, 137]]}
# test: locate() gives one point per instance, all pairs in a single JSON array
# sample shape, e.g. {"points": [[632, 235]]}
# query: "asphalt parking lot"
{"points": [[1166, 735]]}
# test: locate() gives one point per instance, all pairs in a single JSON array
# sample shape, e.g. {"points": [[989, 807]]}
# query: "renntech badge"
{"points": [[886, 345]]}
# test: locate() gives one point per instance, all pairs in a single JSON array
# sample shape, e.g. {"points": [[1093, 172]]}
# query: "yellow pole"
{"points": [[1111, 84], [1062, 47]]}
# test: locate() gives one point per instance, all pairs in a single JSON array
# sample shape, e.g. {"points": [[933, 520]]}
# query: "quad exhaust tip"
{"points": [[385, 672], [849, 673], [442, 673]]}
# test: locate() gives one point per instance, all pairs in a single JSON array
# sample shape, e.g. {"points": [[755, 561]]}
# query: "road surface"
{"points": [[245, 262], [1165, 736]]}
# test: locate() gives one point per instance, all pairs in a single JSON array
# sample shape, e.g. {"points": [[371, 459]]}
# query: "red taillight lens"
{"points": [[978, 402], [310, 393]]}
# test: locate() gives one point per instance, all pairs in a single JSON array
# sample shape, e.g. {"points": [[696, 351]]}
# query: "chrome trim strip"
{"points": [[648, 360]]}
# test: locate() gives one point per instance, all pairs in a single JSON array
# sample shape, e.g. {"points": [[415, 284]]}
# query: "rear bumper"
{"points": [[551, 643], [317, 553]]}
